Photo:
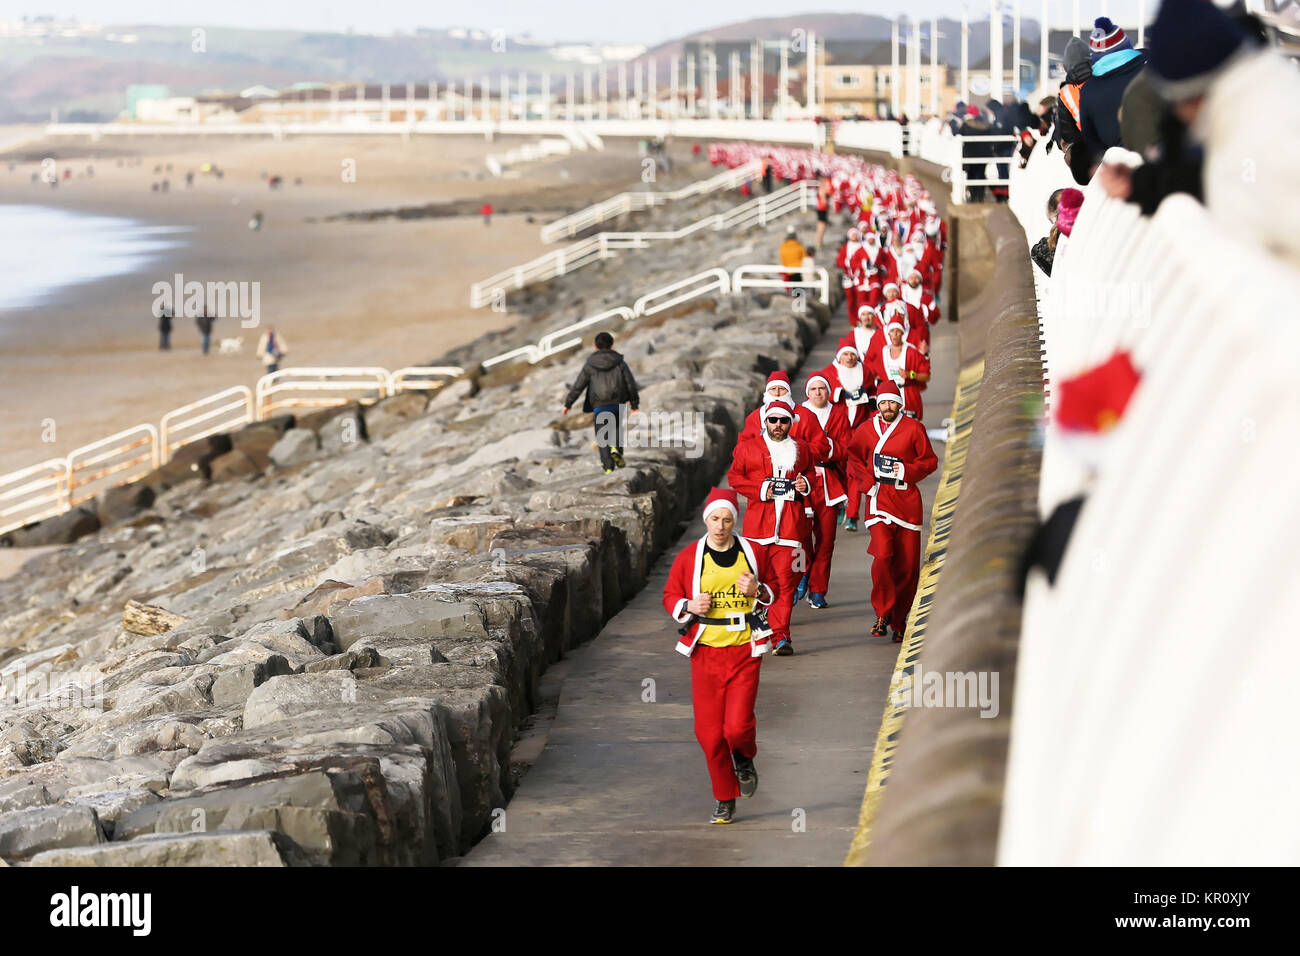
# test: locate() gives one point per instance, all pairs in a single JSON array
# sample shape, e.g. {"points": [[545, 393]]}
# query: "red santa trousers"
{"points": [[781, 562], [825, 519], [895, 571], [851, 299], [856, 493], [724, 683]]}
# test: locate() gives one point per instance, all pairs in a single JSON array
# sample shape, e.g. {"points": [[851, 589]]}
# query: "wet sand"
{"points": [[387, 292]]}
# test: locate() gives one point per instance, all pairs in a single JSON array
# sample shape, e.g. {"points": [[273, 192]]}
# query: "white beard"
{"points": [[912, 296], [783, 454], [850, 378]]}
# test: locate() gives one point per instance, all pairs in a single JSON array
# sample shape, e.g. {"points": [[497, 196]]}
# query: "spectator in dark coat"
{"points": [[1115, 64], [975, 125], [609, 385]]}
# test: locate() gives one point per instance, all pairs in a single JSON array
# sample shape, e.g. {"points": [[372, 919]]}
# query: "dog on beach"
{"points": [[231, 346]]}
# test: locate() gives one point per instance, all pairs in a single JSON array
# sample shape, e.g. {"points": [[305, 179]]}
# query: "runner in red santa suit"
{"points": [[828, 491], [772, 472], [714, 591], [805, 427], [902, 363], [867, 335], [844, 262], [893, 452], [918, 333], [852, 388], [873, 270], [921, 307]]}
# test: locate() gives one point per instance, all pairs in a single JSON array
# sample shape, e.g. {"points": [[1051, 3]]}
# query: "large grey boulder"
{"points": [[248, 848], [26, 832], [412, 617], [296, 446]]}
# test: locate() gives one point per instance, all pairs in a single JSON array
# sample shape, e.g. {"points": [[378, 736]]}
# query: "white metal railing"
{"points": [[628, 202], [116, 460], [319, 388], [422, 377], [217, 413], [498, 163], [956, 156], [33, 493], [795, 197], [54, 486], [702, 283], [771, 277]]}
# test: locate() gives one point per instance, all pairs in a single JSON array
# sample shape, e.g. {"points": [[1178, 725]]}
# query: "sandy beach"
{"points": [[387, 292]]}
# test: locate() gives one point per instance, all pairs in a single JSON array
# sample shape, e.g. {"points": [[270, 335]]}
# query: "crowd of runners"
{"points": [[855, 445]]}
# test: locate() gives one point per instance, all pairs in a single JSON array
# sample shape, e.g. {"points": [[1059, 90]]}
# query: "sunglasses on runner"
{"points": [[777, 420]]}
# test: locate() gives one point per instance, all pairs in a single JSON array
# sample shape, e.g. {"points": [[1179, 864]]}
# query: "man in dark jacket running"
{"points": [[609, 385]]}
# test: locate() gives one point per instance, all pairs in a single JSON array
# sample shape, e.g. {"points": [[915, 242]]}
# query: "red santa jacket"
{"points": [[855, 412], [779, 522], [805, 429], [684, 583], [915, 330], [843, 263], [924, 310], [897, 501], [864, 340], [828, 487], [913, 361]]}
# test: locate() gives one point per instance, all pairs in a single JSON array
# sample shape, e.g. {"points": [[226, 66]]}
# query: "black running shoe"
{"points": [[747, 775], [880, 628], [898, 637], [724, 811]]}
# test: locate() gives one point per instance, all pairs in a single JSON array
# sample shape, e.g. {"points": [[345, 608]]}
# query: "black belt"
{"points": [[756, 620]]}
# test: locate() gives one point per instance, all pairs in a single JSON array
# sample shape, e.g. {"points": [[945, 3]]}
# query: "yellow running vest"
{"points": [[720, 582]]}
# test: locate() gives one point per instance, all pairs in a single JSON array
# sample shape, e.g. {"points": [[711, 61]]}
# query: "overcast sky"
{"points": [[630, 21]]}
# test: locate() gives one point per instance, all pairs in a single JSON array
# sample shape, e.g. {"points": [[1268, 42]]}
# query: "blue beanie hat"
{"points": [[1191, 42], [1106, 38]]}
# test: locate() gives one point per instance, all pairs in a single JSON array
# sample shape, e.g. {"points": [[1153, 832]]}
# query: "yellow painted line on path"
{"points": [[936, 550]]}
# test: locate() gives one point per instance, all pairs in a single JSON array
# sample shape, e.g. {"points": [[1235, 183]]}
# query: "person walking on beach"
{"points": [[714, 590], [609, 385], [486, 212], [165, 330], [271, 348], [204, 322]]}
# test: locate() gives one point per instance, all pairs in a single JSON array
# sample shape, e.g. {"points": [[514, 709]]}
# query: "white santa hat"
{"points": [[815, 380], [888, 391], [888, 286], [867, 310], [847, 348], [778, 406], [914, 272], [895, 325]]}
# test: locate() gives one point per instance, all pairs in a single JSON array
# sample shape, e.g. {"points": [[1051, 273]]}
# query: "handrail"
{"points": [[721, 282], [414, 377], [740, 280], [34, 498], [354, 379], [549, 346], [168, 426], [626, 202], [105, 460], [762, 210]]}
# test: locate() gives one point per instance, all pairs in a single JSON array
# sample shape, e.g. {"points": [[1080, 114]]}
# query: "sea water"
{"points": [[45, 250]]}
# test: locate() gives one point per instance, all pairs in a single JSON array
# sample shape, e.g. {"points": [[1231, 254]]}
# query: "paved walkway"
{"points": [[621, 779]]}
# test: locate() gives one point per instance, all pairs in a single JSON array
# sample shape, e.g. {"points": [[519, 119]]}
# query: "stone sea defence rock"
{"points": [[336, 621]]}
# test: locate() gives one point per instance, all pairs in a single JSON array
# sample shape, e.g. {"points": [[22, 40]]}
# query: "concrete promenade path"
{"points": [[620, 779]]}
